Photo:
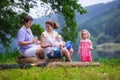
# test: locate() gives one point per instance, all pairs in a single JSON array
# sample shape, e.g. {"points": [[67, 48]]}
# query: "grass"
{"points": [[8, 57], [108, 70]]}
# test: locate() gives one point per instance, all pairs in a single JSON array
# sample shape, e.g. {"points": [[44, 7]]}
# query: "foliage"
{"points": [[9, 57], [67, 8], [37, 30], [11, 14], [110, 62]]}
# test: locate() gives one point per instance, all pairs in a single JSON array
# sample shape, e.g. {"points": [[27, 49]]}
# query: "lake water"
{"points": [[97, 55]]}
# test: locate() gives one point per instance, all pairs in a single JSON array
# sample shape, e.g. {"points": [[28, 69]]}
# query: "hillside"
{"points": [[105, 24], [101, 19]]}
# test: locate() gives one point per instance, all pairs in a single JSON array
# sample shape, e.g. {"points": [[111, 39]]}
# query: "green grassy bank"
{"points": [[109, 69]]}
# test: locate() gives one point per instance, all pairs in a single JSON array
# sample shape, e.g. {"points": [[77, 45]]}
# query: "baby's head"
{"points": [[58, 37], [84, 34]]}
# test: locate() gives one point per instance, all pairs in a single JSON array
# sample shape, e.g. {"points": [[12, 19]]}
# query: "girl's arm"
{"points": [[79, 48], [91, 47], [64, 44]]}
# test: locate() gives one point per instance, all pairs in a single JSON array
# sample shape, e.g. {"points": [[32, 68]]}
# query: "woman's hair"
{"points": [[27, 18], [81, 33], [52, 23]]}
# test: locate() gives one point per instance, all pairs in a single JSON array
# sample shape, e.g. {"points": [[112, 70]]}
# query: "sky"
{"points": [[34, 12], [86, 3]]}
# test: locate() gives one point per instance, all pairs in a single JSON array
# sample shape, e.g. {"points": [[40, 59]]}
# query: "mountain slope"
{"points": [[107, 22]]}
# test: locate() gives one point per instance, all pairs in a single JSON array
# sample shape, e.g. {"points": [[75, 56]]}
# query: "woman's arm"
{"points": [[22, 43], [21, 38], [43, 45]]}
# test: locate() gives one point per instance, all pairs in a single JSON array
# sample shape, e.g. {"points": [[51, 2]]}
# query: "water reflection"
{"points": [[97, 55], [105, 54]]}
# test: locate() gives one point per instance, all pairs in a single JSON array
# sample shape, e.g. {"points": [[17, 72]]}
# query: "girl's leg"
{"points": [[40, 52], [66, 53], [89, 58], [71, 51]]}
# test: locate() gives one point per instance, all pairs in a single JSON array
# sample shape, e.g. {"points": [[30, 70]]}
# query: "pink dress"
{"points": [[85, 51]]}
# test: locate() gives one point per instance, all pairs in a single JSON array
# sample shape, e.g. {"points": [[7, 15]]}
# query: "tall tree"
{"points": [[67, 8], [11, 12]]}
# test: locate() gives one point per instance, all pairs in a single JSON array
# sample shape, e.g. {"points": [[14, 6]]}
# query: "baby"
{"points": [[59, 43]]}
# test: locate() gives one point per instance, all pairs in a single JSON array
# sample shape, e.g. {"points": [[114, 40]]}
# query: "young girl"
{"points": [[85, 46]]}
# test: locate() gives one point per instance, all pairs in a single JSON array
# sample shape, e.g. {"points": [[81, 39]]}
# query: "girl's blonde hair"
{"points": [[59, 36], [81, 33]]}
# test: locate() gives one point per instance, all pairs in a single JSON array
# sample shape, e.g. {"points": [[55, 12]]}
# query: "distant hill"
{"points": [[104, 19], [96, 10]]}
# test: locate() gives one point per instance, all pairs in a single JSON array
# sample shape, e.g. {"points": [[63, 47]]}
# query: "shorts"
{"points": [[31, 51], [57, 54]]}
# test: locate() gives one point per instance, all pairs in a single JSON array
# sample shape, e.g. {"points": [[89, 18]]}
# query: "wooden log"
{"points": [[49, 65], [54, 60], [22, 66], [23, 60], [73, 64]]}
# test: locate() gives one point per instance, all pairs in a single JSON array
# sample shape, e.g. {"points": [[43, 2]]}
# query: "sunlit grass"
{"points": [[88, 73]]}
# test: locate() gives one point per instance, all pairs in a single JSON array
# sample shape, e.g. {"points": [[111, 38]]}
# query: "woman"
{"points": [[48, 39], [26, 41]]}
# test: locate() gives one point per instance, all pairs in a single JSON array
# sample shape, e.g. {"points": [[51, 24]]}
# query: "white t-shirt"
{"points": [[49, 39], [58, 43]]}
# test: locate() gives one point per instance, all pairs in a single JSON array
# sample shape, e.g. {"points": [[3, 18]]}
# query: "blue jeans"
{"points": [[56, 54]]}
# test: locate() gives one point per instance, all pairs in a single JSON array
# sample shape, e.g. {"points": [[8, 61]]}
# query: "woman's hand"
{"points": [[49, 45], [33, 41]]}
